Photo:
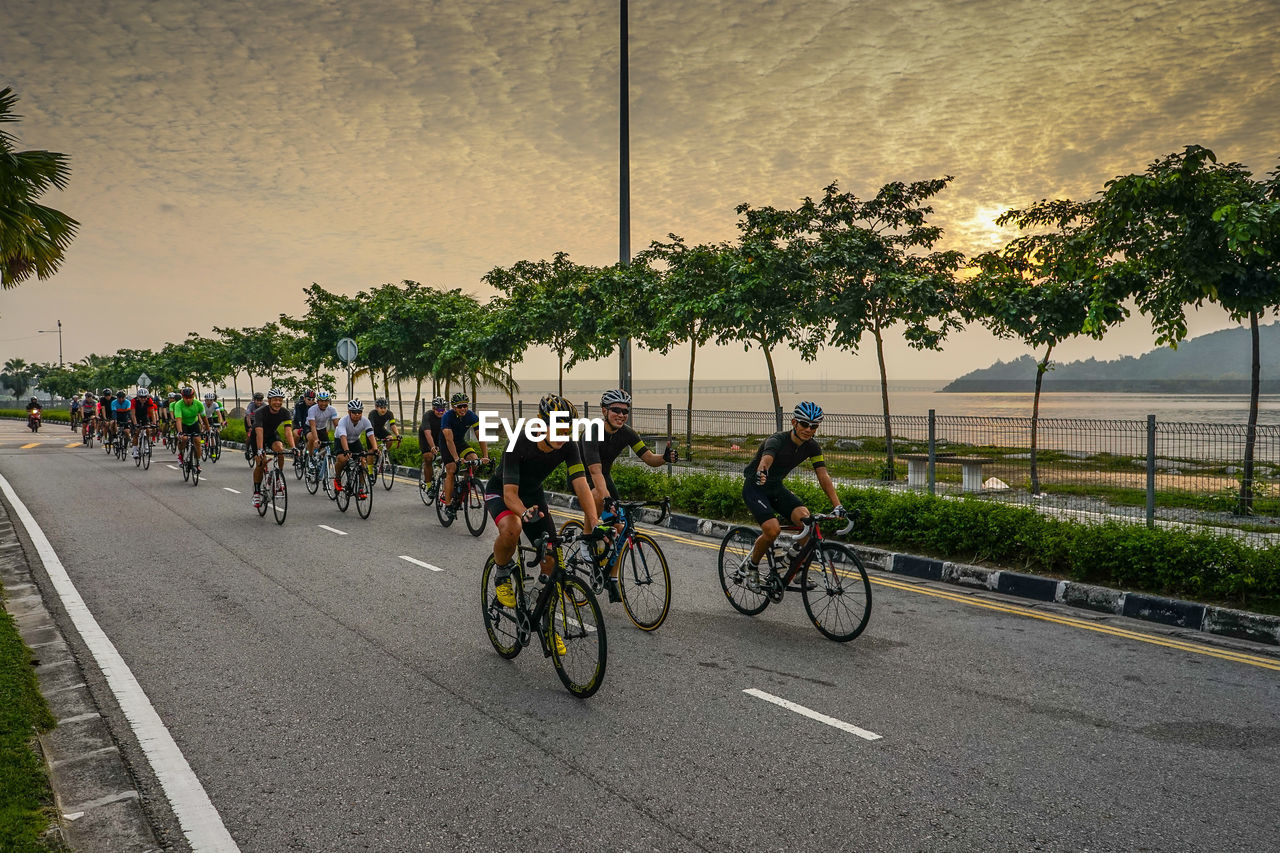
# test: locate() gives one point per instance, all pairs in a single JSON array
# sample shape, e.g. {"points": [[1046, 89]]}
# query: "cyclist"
{"points": [[267, 421], [142, 415], [319, 418], [305, 402], [75, 411], [188, 414], [598, 456], [346, 433], [385, 428], [766, 495], [454, 426], [213, 410], [515, 499], [122, 414], [430, 439], [90, 411], [108, 421], [249, 410]]}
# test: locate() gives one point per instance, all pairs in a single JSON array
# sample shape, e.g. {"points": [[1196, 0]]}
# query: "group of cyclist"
{"points": [[514, 495]]}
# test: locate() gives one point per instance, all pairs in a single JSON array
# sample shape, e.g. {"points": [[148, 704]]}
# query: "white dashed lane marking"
{"points": [[331, 529], [420, 563], [812, 714]]}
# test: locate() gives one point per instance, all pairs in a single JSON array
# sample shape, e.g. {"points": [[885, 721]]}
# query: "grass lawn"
{"points": [[26, 802]]}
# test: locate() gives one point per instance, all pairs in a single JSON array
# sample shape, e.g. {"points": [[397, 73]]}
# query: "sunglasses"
{"points": [[805, 424], [461, 406], [618, 410]]}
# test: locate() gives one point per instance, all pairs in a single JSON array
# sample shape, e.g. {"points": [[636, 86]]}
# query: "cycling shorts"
{"points": [[190, 429], [496, 506], [764, 502]]}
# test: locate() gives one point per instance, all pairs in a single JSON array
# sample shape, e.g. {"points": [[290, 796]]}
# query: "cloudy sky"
{"points": [[226, 154]]}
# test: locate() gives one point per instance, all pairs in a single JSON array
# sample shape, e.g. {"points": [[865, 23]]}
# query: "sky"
{"points": [[227, 154]]}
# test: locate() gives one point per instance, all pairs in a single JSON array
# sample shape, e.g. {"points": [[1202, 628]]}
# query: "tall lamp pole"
{"points": [[50, 332], [624, 194]]}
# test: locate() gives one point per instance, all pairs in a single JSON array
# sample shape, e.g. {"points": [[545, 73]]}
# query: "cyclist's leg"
{"points": [[761, 506]]}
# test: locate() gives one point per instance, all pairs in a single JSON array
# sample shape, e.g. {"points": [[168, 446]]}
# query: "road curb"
{"points": [[1189, 615]]}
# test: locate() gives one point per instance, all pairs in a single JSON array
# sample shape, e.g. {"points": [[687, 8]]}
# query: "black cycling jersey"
{"points": [[381, 423], [270, 422], [300, 413], [604, 451], [786, 456], [527, 466], [431, 423]]}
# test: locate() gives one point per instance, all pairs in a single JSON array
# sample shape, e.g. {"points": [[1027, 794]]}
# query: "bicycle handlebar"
{"points": [[632, 506], [830, 516]]}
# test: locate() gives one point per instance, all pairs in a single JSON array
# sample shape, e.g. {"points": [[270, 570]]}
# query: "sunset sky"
{"points": [[227, 154]]}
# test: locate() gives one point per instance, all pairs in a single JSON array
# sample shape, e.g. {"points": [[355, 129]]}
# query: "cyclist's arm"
{"points": [[600, 488], [371, 438], [827, 484], [766, 462], [511, 497], [448, 440]]}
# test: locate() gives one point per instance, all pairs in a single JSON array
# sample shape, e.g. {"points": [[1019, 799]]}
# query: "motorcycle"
{"points": [[33, 420]]}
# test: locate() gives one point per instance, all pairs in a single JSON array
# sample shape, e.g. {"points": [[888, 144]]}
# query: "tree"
{"points": [[1187, 231], [768, 300], [874, 267], [688, 302], [18, 376], [1039, 289], [33, 237]]}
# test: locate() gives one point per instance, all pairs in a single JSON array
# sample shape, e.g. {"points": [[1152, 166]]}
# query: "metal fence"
{"points": [[1155, 472]]}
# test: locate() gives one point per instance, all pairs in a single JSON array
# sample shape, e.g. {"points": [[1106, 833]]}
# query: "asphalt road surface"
{"points": [[332, 696]]}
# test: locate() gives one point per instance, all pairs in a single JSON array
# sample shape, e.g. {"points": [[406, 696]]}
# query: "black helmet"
{"points": [[381, 402]]}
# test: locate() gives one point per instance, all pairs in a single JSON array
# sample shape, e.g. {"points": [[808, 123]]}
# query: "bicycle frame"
{"points": [[802, 559]]}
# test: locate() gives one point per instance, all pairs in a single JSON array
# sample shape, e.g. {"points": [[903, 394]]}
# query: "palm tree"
{"points": [[17, 376], [32, 237]]}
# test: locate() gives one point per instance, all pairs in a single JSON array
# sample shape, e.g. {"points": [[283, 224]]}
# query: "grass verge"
{"points": [[26, 801]]}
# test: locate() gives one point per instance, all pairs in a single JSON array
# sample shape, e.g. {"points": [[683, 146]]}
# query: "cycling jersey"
{"points": [[786, 456], [75, 406], [300, 413], [322, 418], [604, 451], [381, 423], [121, 408], [526, 465], [459, 426], [213, 410], [270, 422], [143, 408], [352, 431], [188, 413]]}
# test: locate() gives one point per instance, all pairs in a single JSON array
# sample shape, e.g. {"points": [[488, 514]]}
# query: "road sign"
{"points": [[144, 381], [347, 350]]}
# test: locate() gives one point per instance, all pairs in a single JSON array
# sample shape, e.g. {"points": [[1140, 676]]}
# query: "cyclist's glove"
{"points": [[531, 514], [670, 454], [840, 512], [762, 474]]}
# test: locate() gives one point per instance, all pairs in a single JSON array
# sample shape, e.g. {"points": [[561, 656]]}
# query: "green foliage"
{"points": [[47, 415], [26, 802]]}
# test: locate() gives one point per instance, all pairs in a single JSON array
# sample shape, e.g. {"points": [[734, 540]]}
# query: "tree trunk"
{"points": [[560, 354], [1041, 369], [688, 411], [474, 401], [399, 398], [1251, 435], [236, 387], [250, 375], [773, 378], [890, 473], [417, 399], [511, 392], [386, 386]]}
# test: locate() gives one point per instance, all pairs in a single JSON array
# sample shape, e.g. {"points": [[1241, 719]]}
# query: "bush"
{"points": [[47, 415]]}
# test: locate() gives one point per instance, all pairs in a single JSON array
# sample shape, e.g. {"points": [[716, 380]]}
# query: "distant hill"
{"points": [[1214, 363]]}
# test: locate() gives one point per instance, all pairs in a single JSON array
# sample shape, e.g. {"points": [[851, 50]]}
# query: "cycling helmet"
{"points": [[807, 411], [439, 403], [34, 400], [275, 392], [209, 395], [120, 395], [555, 403], [617, 395], [106, 392], [381, 402], [459, 398], [355, 406], [143, 392], [309, 395], [174, 395], [257, 395], [188, 391], [322, 395]]}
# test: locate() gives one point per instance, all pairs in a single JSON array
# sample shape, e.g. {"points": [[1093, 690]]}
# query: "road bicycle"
{"points": [[213, 443], [643, 577], [87, 432], [273, 489], [430, 491], [121, 448], [561, 612], [145, 442], [355, 483], [319, 462], [384, 468], [468, 495], [828, 575], [299, 462], [75, 420], [190, 462]]}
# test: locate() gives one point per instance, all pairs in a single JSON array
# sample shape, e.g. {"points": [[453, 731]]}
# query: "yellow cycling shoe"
{"points": [[506, 594], [561, 650]]}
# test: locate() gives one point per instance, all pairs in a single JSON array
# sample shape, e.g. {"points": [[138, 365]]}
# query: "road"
{"points": [[332, 696]]}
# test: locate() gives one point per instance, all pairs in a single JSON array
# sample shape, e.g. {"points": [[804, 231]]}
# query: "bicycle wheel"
{"points": [[280, 497], [312, 477], [645, 582], [839, 604], [574, 614], [499, 622], [299, 464], [137, 460], [215, 447], [364, 505], [442, 508], [325, 479], [186, 465], [344, 497], [195, 472], [734, 550], [473, 507], [144, 448], [264, 494], [388, 472], [425, 490]]}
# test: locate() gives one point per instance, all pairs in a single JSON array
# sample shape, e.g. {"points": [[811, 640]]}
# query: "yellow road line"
{"points": [[74, 444], [973, 601], [31, 445]]}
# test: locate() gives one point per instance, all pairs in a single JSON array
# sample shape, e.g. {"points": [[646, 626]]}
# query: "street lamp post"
{"points": [[624, 192], [50, 332]]}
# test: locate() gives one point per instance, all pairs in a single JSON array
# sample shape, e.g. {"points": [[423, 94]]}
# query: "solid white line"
{"points": [[174, 467], [231, 490], [813, 715], [420, 563], [197, 816], [331, 529]]}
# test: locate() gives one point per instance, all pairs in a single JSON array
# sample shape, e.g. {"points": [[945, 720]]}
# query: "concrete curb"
{"points": [[1190, 615]]}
